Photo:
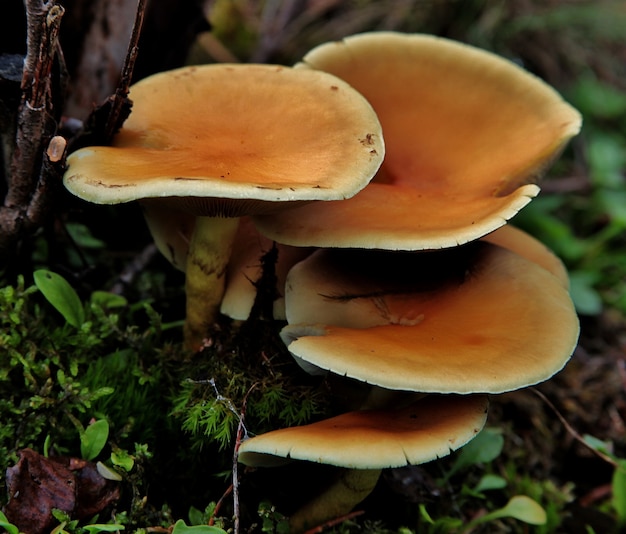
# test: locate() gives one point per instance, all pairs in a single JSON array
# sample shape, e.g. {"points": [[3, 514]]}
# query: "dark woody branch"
{"points": [[25, 201]]}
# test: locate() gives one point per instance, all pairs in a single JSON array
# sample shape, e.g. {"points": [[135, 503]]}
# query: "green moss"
{"points": [[230, 381], [55, 377]]}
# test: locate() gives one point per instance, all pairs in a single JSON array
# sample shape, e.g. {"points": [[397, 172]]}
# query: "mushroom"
{"points": [[365, 441], [245, 270], [468, 135], [525, 245], [222, 141], [475, 319]]}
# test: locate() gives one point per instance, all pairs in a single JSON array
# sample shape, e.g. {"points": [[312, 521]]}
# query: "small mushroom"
{"points": [[245, 270], [476, 319], [468, 134], [222, 141], [365, 441]]}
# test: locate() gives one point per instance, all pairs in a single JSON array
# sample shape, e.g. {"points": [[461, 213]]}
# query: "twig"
{"points": [[118, 113], [133, 269], [216, 510], [572, 431], [335, 521], [241, 430], [105, 120]]}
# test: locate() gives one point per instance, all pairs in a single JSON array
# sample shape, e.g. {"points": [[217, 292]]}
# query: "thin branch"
{"points": [[334, 522], [241, 431], [105, 120], [118, 113], [135, 267], [572, 431]]}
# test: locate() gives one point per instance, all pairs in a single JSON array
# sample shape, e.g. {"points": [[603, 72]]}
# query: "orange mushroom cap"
{"points": [[234, 139], [425, 430], [525, 245], [467, 135], [479, 319]]}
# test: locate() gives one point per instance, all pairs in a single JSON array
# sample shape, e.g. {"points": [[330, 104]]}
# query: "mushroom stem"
{"points": [[350, 488], [209, 251]]}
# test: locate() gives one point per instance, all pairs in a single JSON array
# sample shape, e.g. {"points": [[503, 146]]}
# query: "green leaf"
{"points": [[83, 237], [122, 459], [524, 509], [484, 448], [599, 99], [425, 515], [597, 444], [196, 517], [490, 482], [618, 501], [607, 160], [93, 440], [180, 527], [6, 525], [586, 299], [520, 507], [107, 300], [103, 528], [61, 295]]}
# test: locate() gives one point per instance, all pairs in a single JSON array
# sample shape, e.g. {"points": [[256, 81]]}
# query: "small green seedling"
{"points": [[520, 507], [93, 439]]}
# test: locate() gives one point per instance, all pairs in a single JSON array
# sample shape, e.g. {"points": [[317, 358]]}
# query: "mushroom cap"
{"points": [[467, 135], [257, 133], [425, 430], [525, 245], [478, 319]]}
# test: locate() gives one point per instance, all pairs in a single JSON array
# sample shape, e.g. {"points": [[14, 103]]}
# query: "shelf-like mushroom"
{"points": [[477, 318], [365, 441], [468, 135], [221, 141]]}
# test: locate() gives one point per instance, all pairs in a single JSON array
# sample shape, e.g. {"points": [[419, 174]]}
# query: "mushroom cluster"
{"points": [[206, 145], [417, 286], [400, 274]]}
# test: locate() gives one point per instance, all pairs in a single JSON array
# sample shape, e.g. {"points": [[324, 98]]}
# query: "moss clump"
{"points": [[233, 379], [55, 377]]}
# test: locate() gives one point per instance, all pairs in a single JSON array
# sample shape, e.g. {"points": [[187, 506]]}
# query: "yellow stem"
{"points": [[348, 490], [209, 252]]}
